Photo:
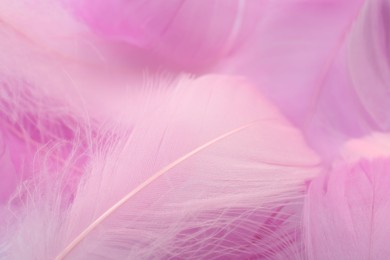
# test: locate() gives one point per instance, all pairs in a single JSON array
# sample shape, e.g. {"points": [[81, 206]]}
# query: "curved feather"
{"points": [[212, 171]]}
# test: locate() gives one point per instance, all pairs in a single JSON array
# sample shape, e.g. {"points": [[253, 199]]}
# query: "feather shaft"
{"points": [[159, 173]]}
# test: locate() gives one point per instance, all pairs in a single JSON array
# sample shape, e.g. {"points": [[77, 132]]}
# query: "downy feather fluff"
{"points": [[37, 132], [213, 172]]}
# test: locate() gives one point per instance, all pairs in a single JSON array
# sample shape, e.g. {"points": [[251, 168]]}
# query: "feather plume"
{"points": [[213, 171]]}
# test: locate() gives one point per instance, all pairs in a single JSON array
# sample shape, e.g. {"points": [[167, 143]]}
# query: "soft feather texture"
{"points": [[347, 212], [311, 59], [207, 167], [298, 58], [53, 98], [352, 203], [301, 40], [38, 135], [83, 88], [32, 122], [213, 172], [51, 28], [187, 32], [368, 60]]}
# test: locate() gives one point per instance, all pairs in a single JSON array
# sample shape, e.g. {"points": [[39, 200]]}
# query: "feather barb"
{"points": [[143, 185]]}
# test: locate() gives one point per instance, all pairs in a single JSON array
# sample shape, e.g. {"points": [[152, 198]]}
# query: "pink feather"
{"points": [[368, 60], [188, 32], [347, 212], [214, 171], [36, 132], [108, 152], [347, 209]]}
